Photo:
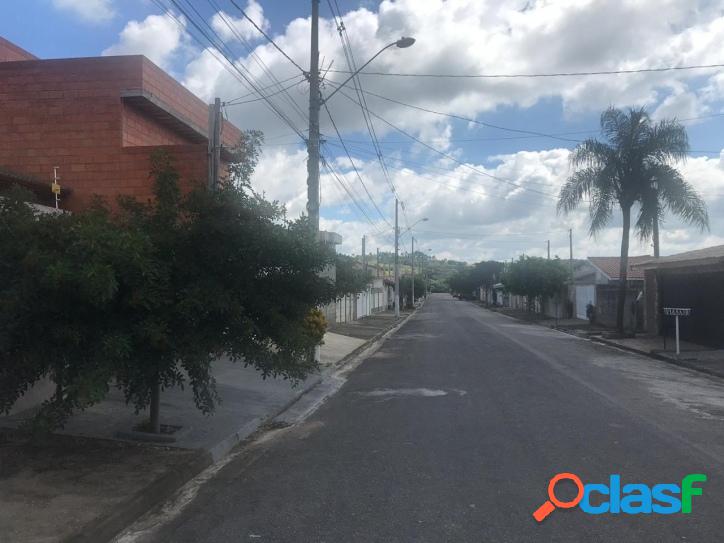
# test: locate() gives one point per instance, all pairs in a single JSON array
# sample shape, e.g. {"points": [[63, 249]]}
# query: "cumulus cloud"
{"points": [[472, 215], [473, 37], [231, 28], [88, 10], [158, 37]]}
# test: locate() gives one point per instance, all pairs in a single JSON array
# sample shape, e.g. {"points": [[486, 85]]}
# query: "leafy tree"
{"points": [[406, 289], [535, 278], [633, 167], [351, 278], [245, 157], [59, 279], [246, 294], [461, 283], [483, 274], [149, 298]]}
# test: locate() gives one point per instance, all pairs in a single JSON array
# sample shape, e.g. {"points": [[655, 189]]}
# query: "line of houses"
{"points": [[694, 279], [378, 296]]}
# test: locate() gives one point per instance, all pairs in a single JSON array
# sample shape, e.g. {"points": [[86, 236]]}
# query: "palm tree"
{"points": [[632, 167]]}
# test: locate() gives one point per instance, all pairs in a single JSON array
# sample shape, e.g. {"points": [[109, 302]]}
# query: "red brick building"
{"points": [[97, 119]]}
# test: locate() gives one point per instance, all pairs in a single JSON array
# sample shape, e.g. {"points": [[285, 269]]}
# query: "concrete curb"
{"points": [[333, 379], [105, 528], [384, 334], [163, 488], [601, 341]]}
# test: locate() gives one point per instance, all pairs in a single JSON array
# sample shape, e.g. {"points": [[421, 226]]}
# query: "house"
{"points": [[97, 120], [596, 282], [378, 296], [695, 280]]}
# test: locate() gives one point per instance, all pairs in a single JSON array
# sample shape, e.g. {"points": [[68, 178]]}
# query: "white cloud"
{"points": [[472, 217], [484, 218], [88, 10], [474, 36], [158, 37], [230, 28]]}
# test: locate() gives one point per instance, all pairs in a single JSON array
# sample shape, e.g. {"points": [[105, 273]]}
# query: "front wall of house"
{"points": [[701, 290]]}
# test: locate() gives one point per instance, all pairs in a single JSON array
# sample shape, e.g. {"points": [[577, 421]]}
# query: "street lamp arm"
{"points": [[402, 43], [406, 230]]}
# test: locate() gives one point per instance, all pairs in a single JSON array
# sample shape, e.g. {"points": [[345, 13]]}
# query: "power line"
{"points": [[354, 167], [536, 134], [248, 94], [430, 167], [339, 179], [470, 120], [490, 138], [229, 65], [269, 38], [448, 156], [252, 53], [279, 91], [357, 83], [538, 75]]}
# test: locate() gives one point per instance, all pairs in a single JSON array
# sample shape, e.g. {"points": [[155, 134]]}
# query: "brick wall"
{"points": [[69, 113], [10, 52], [138, 129], [162, 85]]}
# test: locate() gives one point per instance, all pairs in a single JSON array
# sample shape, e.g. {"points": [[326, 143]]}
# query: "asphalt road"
{"points": [[450, 433]]}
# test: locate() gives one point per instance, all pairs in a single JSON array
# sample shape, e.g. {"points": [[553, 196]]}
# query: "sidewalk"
{"points": [[85, 483], [693, 356], [579, 327]]}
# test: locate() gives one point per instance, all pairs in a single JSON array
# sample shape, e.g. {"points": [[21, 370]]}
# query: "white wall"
{"points": [[367, 302]]}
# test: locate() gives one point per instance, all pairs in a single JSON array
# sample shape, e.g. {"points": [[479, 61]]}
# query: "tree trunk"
{"points": [[58, 377], [155, 408], [656, 237], [623, 272]]}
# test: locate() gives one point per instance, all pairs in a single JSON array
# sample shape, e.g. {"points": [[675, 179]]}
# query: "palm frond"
{"points": [[592, 153], [667, 142], [615, 125], [680, 197], [576, 187], [600, 207], [649, 210]]}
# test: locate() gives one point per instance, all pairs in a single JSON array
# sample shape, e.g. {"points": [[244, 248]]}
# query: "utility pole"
{"points": [[364, 256], [378, 261], [570, 245], [214, 143], [397, 263], [423, 274], [313, 141], [655, 233], [549, 249], [412, 262], [55, 187]]}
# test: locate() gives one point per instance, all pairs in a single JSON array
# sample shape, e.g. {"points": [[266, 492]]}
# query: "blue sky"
{"points": [[473, 214]]}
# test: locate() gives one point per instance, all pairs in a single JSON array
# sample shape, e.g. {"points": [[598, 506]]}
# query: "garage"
{"points": [[694, 280]]}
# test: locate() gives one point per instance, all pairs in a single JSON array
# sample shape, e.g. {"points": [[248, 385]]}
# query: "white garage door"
{"points": [[584, 295]]}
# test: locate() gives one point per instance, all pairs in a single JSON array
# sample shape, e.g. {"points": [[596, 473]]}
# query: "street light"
{"points": [[315, 103], [406, 230], [402, 43], [397, 265]]}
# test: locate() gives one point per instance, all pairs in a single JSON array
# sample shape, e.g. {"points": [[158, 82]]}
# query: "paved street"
{"points": [[450, 433]]}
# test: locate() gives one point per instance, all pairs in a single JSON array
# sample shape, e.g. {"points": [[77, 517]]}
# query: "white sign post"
{"points": [[677, 312]]}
